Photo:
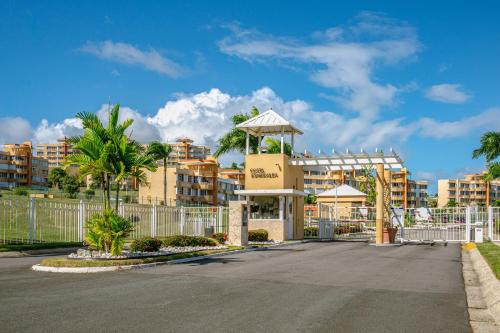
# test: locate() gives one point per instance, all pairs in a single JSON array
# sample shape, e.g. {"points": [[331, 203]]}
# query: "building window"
{"points": [[265, 208]]}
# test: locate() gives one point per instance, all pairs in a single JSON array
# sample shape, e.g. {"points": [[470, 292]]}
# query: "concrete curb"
{"points": [[40, 268], [483, 292]]}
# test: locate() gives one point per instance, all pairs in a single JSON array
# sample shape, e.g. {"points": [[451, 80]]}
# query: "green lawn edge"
{"points": [[37, 246], [491, 253], [66, 262]]}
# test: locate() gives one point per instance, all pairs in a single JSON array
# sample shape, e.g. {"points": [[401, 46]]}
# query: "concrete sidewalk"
{"points": [[312, 287]]}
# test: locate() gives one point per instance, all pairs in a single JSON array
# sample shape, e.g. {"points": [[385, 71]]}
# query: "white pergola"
{"points": [[349, 161], [268, 123]]}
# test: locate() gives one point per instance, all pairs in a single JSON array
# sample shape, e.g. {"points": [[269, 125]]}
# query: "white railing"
{"points": [[41, 220], [414, 224]]}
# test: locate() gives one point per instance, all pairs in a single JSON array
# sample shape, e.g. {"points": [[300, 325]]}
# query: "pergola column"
{"points": [[379, 220], [292, 143], [258, 147], [282, 141], [248, 144]]}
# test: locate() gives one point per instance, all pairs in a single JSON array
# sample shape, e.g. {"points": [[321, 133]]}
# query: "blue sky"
{"points": [[422, 79]]}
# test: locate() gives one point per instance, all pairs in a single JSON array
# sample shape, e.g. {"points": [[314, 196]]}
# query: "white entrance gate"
{"points": [[494, 223]]}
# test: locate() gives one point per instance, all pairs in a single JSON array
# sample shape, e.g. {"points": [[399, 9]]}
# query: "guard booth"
{"points": [[274, 188]]}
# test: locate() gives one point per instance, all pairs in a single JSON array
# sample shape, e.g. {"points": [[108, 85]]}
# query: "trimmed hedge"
{"points": [[311, 231], [259, 235], [189, 241], [146, 244], [220, 237]]}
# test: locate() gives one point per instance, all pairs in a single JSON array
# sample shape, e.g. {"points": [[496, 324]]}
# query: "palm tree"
{"points": [[107, 151], [274, 147], [235, 139], [490, 149], [161, 151], [130, 162]]}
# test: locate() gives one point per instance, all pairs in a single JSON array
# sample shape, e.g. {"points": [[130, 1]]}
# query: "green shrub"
{"points": [[89, 194], [146, 244], [220, 237], [311, 231], [107, 231], [189, 241], [259, 235], [21, 191]]}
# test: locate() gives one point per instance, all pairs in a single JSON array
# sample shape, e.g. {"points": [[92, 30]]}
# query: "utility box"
{"points": [[478, 232]]}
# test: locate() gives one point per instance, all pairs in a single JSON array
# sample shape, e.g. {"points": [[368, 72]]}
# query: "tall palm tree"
{"points": [[161, 151], [107, 151], [490, 149], [235, 139], [130, 162]]}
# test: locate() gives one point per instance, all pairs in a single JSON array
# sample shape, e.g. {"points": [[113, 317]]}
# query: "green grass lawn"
{"points": [[40, 246], [65, 262], [491, 253]]}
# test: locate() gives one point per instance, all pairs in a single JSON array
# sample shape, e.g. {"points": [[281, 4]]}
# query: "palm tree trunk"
{"points": [[165, 181], [103, 188], [117, 196], [108, 190]]}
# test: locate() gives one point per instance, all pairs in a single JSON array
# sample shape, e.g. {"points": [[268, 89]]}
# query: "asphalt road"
{"points": [[314, 287]]}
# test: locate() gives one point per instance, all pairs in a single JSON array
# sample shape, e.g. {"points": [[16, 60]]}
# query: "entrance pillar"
{"points": [[379, 221], [238, 223]]}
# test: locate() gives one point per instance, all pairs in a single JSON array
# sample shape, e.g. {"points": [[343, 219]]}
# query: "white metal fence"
{"points": [[42, 220], [415, 224]]}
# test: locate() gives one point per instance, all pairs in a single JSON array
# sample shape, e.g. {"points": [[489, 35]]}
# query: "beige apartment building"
{"points": [[228, 181], [472, 190], [190, 182], [18, 167], [405, 192], [183, 149], [55, 153]]}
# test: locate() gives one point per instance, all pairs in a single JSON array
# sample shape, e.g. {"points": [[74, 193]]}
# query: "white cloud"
{"points": [[140, 130], [129, 54], [50, 133], [343, 59], [205, 116], [450, 129], [14, 130], [447, 93]]}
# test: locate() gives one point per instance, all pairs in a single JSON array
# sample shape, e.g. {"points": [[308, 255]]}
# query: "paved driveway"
{"points": [[314, 287]]}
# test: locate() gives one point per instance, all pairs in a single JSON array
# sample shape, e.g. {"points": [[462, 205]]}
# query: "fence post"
{"points": [[32, 218], [467, 224], [121, 209], [490, 223], [403, 219], [183, 219], [153, 221], [81, 207]]}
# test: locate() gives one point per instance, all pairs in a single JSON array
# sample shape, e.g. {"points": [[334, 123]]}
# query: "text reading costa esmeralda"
{"points": [[261, 173]]}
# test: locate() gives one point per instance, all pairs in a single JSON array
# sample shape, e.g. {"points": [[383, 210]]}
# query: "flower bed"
{"points": [[164, 251]]}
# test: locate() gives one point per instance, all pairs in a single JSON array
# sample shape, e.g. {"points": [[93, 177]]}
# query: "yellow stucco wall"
{"points": [[271, 172], [153, 188]]}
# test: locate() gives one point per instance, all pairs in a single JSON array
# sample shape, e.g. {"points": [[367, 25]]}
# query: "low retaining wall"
{"points": [[275, 228]]}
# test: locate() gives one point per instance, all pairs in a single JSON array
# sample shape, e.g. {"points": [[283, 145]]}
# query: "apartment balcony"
{"points": [[206, 186], [203, 198], [204, 174]]}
